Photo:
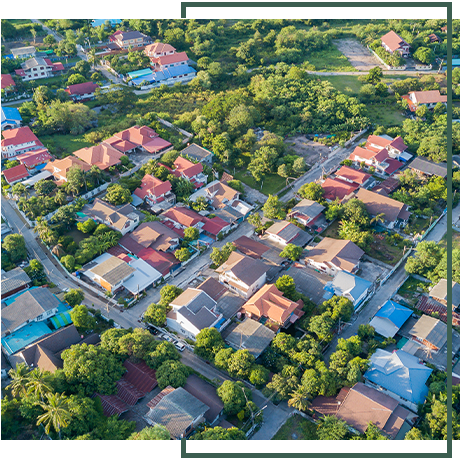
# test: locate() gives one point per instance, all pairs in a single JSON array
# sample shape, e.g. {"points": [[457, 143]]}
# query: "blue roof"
{"points": [[26, 335], [11, 113], [394, 312], [139, 73], [455, 61], [400, 373], [99, 22], [156, 77]]}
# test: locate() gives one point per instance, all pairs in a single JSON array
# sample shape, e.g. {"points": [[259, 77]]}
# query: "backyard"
{"points": [[297, 428]]}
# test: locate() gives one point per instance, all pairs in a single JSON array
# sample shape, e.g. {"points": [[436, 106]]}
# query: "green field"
{"points": [[330, 60], [61, 143], [385, 115], [19, 21], [348, 84], [297, 428], [272, 183]]}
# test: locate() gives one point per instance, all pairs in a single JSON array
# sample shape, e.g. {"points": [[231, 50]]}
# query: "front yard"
{"points": [[297, 428]]}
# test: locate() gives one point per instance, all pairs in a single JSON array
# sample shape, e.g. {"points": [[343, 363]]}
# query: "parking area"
{"points": [[309, 150], [371, 271], [309, 282], [357, 54]]}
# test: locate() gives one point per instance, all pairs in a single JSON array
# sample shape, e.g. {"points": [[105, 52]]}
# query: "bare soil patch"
{"points": [[309, 150], [358, 55]]}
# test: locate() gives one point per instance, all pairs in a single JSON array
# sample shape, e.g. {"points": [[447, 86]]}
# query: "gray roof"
{"points": [[252, 336], [131, 35], [176, 411], [196, 152], [290, 233], [439, 291], [113, 270], [308, 207], [34, 62], [429, 167], [227, 213], [430, 329], [11, 280], [244, 268], [28, 306]]}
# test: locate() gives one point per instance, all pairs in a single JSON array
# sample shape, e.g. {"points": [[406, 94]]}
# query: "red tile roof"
{"points": [[152, 185], [19, 136], [183, 215], [128, 392], [429, 305], [111, 404], [360, 152], [141, 376], [171, 58], [7, 80], [393, 41], [353, 174], [138, 136], [186, 167], [81, 88], [15, 173], [428, 97], [393, 165], [214, 225], [103, 155], [336, 188], [158, 48], [162, 262], [57, 66], [33, 158], [397, 143]]}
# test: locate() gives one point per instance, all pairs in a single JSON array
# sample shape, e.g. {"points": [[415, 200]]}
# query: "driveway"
{"points": [[274, 418]]}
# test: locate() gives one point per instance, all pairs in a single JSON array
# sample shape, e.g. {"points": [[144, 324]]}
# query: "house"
{"points": [[306, 212], [14, 281], [123, 219], [429, 168], [334, 255], [37, 68], [17, 141], [390, 318], [377, 158], [251, 336], [193, 172], [109, 272], [284, 233], [8, 84], [399, 375], [82, 91], [23, 52], [139, 138], [242, 275], [60, 167], [179, 217], [430, 99], [46, 353], [35, 160], [153, 235], [154, 191], [159, 49], [15, 174], [336, 189], [163, 262], [392, 43], [192, 311], [386, 187], [177, 410], [213, 288], [360, 405], [250, 247], [11, 119], [351, 175], [103, 156], [393, 212], [34, 305], [430, 332], [207, 394], [170, 60], [168, 76], [396, 147], [129, 39], [215, 226], [198, 153], [350, 286], [439, 293], [144, 276], [270, 304], [430, 306], [434, 38]]}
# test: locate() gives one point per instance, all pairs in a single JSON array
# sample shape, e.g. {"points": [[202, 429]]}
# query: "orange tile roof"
{"points": [[60, 167], [103, 155]]}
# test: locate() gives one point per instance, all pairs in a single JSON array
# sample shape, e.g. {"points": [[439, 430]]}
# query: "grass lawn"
{"points": [[19, 21], [58, 80], [419, 225], [385, 115], [455, 240], [332, 230], [297, 428], [383, 251], [76, 234], [64, 143], [272, 183], [347, 84], [330, 60], [412, 289]]}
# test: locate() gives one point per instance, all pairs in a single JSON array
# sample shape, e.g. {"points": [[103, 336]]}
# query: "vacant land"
{"points": [[358, 55], [412, 289], [385, 115], [330, 60], [309, 150], [455, 240], [271, 183], [347, 84], [297, 428], [382, 250], [61, 143]]}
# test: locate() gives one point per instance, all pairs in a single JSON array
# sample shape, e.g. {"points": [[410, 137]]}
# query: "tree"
{"points": [[351, 231], [355, 211], [76, 78], [82, 319], [18, 189], [42, 97], [172, 373], [39, 383], [379, 218], [157, 432], [273, 208], [110, 339], [222, 358], [11, 163], [313, 191], [284, 383], [286, 284], [155, 314], [74, 296], [374, 76], [321, 325], [236, 185], [232, 396], [44, 187], [239, 363], [222, 147], [208, 343], [49, 40], [255, 220], [366, 331], [427, 256], [65, 216], [117, 194], [19, 379], [284, 343], [67, 117], [87, 227], [138, 344], [221, 256], [332, 428], [76, 179], [169, 293], [191, 234], [258, 375], [92, 369], [339, 307], [263, 162], [374, 433], [182, 254], [163, 351], [299, 399], [15, 245], [424, 55], [292, 252], [56, 413], [220, 433]]}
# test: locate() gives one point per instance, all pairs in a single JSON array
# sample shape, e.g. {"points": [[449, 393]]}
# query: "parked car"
{"points": [[179, 346]]}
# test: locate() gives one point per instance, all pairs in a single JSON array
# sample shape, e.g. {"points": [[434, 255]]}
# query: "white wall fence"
{"points": [[423, 67], [389, 67]]}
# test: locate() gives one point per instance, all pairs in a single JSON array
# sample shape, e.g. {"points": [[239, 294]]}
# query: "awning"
{"points": [[61, 320]]}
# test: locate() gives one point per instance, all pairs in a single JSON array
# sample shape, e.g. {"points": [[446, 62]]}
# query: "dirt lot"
{"points": [[371, 271], [358, 55], [310, 150]]}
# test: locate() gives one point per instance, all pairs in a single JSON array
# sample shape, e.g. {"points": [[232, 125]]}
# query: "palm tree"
{"points": [[299, 399], [92, 57], [56, 413], [379, 218], [20, 378], [38, 382], [60, 198], [95, 174], [41, 227]]}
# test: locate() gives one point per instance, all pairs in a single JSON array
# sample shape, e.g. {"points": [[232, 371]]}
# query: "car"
{"points": [[179, 346], [167, 338]]}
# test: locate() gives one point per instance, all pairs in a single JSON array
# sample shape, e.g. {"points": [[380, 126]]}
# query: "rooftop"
{"points": [[196, 152], [244, 268], [431, 330], [250, 247], [102, 155], [112, 270], [390, 318], [11, 280], [429, 167], [439, 291]]}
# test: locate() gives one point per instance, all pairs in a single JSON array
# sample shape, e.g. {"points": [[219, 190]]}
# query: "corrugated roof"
{"points": [[430, 329], [429, 167], [439, 291], [250, 247], [11, 280], [342, 253], [113, 270], [196, 152]]}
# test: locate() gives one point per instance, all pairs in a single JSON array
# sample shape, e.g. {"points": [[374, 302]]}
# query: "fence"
{"points": [[433, 225], [397, 265], [389, 67], [423, 67], [170, 125]]}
